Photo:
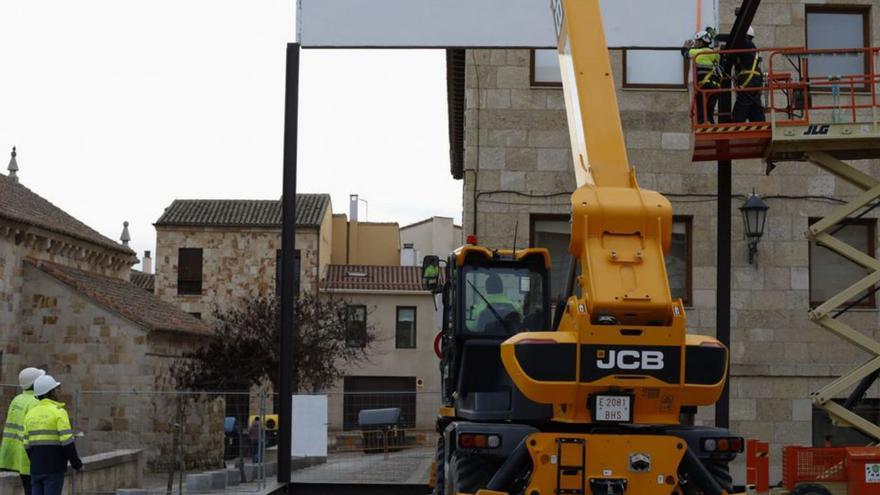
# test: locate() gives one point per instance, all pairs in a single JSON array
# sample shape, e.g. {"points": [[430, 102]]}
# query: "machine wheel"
{"points": [[720, 471], [810, 489], [439, 467], [469, 473]]}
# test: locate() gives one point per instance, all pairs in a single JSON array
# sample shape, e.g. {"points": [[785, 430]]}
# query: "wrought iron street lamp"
{"points": [[754, 212]]}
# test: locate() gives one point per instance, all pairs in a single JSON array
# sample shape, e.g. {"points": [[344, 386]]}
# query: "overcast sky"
{"points": [[120, 106]]}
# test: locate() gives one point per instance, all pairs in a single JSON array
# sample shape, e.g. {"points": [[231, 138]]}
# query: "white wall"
{"points": [[487, 23]]}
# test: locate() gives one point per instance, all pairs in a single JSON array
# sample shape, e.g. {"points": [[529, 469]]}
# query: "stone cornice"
{"points": [[43, 241]]}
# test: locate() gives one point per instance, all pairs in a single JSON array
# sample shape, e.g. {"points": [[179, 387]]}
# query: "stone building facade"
{"points": [[238, 246], [511, 149], [67, 306]]}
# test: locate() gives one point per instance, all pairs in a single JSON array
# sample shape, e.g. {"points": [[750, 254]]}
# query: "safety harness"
{"points": [[751, 72]]}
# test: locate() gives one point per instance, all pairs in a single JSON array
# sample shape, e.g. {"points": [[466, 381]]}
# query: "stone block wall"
{"points": [[114, 375], [517, 139], [237, 264], [19, 241]]}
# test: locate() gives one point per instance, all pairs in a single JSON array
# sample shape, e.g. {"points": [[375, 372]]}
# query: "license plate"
{"points": [[613, 408]]}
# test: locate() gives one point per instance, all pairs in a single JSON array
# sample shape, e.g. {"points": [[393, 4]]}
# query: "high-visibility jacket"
{"points": [[49, 439], [498, 302], [13, 457], [707, 61]]}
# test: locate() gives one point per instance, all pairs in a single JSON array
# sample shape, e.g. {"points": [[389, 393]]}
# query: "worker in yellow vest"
{"points": [[12, 454], [48, 438], [699, 49], [494, 310]]}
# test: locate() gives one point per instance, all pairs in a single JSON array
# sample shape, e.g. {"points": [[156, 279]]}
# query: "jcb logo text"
{"points": [[630, 360]]}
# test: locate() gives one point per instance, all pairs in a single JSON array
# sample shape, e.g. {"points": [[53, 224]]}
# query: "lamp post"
{"points": [[754, 212]]}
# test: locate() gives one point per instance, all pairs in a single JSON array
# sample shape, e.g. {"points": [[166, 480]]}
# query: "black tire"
{"points": [[468, 473], [439, 467], [720, 471], [810, 489]]}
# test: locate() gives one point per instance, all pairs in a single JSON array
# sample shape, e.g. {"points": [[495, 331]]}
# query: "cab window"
{"points": [[503, 301]]}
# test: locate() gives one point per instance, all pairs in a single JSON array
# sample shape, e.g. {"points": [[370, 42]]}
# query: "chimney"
{"points": [[147, 263], [353, 207], [408, 255], [125, 237], [13, 166]]}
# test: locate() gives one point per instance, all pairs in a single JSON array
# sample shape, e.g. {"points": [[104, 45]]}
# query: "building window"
{"points": [[544, 68], [378, 392], [405, 334], [833, 27], [830, 273], [297, 265], [189, 271], [679, 259], [356, 330], [654, 68], [554, 231]]}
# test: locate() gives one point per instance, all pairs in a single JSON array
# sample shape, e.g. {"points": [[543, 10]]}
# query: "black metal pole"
{"points": [[744, 16], [722, 294], [723, 262], [287, 367]]}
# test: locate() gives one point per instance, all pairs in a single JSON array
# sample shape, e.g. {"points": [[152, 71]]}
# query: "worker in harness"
{"points": [[12, 454], [699, 49], [747, 66]]}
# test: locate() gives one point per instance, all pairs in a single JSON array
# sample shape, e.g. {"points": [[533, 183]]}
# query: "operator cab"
{"points": [[488, 296], [503, 300]]}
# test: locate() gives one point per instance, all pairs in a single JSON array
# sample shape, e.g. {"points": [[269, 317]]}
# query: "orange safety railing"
{"points": [[791, 95], [812, 464]]}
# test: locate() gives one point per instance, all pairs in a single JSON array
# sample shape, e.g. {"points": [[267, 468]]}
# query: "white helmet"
{"points": [[27, 377], [703, 36], [45, 384], [751, 32]]}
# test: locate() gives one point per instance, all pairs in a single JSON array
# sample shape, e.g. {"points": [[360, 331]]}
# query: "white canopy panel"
{"points": [[488, 23]]}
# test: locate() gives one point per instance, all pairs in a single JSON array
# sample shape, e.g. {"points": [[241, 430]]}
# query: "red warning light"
{"points": [[471, 239]]}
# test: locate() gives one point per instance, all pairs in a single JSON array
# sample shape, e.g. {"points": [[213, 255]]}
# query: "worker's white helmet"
{"points": [[45, 384], [28, 375], [703, 36], [751, 32]]}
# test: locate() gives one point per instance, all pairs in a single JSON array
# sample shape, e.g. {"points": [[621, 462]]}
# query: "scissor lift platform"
{"points": [[850, 141], [836, 115]]}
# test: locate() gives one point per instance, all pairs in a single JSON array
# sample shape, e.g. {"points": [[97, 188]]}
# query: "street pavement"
{"points": [[410, 466]]}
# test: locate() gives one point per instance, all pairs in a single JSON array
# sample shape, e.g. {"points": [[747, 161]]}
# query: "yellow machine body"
{"points": [[621, 320], [619, 235], [570, 462]]}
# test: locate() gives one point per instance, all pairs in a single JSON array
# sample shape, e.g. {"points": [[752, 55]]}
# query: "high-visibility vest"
{"points": [[706, 62], [12, 454], [47, 424]]}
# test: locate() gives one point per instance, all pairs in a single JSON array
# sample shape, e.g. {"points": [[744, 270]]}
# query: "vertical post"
{"points": [[723, 239], [722, 294], [288, 291]]}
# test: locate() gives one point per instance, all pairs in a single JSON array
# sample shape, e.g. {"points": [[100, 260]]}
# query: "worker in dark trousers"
{"points": [[747, 67], [700, 50]]}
